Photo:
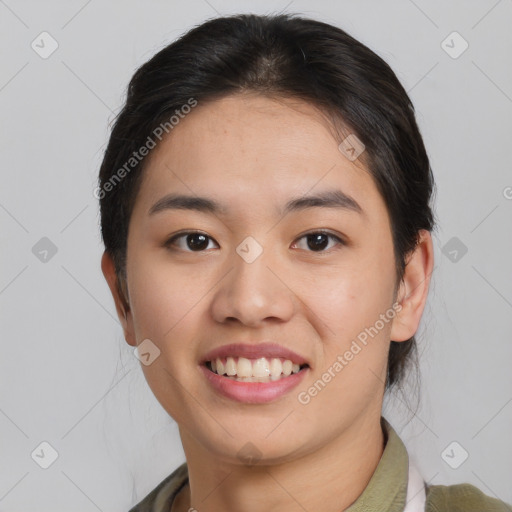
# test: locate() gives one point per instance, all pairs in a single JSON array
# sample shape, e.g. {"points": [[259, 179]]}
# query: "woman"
{"points": [[265, 208]]}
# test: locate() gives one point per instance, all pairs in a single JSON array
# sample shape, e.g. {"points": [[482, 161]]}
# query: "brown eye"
{"points": [[317, 241], [191, 241]]}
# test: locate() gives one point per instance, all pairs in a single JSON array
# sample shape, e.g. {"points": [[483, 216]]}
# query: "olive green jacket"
{"points": [[385, 492]]}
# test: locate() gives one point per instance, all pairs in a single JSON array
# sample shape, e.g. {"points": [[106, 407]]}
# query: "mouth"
{"points": [[262, 369], [254, 373]]}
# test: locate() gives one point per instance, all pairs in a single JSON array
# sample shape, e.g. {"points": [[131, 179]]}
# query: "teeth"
{"points": [[260, 368], [276, 367], [243, 368], [230, 366], [254, 370]]}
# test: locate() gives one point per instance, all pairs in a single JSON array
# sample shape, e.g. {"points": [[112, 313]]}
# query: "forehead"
{"points": [[248, 150]]}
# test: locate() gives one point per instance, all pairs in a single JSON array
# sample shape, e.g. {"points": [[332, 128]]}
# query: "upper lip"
{"points": [[254, 351]]}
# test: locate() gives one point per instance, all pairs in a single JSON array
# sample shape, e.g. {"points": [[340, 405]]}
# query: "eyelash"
{"points": [[183, 234]]}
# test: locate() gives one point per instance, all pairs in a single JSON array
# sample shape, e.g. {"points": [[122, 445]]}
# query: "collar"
{"points": [[387, 489]]}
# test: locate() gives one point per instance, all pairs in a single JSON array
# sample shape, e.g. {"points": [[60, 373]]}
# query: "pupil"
{"points": [[318, 238], [197, 245]]}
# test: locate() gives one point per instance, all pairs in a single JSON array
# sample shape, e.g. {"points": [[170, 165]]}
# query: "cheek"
{"points": [[350, 297], [349, 303], [163, 297], [165, 308], [355, 342]]}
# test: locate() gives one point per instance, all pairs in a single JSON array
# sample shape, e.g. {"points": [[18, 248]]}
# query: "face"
{"points": [[308, 278]]}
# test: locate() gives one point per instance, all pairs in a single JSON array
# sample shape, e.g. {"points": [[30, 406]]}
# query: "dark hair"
{"points": [[283, 56]]}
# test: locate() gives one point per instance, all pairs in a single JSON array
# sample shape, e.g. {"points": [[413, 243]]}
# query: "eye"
{"points": [[317, 241], [195, 241]]}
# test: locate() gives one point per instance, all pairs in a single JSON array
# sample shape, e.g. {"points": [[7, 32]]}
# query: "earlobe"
{"points": [[122, 306], [413, 291]]}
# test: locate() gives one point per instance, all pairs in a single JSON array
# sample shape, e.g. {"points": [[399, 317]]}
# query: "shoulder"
{"points": [[462, 498], [163, 494]]}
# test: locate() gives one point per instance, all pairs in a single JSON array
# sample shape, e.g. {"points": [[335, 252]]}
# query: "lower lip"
{"points": [[253, 392]]}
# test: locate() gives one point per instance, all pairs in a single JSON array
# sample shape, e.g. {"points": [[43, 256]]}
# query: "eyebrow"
{"points": [[326, 199]]}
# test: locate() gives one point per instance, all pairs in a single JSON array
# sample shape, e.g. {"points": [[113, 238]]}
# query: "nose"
{"points": [[254, 293]]}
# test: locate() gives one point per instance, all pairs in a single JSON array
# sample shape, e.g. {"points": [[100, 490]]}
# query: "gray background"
{"points": [[68, 377]]}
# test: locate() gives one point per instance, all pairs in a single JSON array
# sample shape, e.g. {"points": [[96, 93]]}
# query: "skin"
{"points": [[253, 154]]}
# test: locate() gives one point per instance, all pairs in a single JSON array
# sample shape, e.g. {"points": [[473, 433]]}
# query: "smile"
{"points": [[263, 369], [246, 385]]}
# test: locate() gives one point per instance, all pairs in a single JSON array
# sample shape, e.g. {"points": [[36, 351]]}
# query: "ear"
{"points": [[413, 291], [122, 305]]}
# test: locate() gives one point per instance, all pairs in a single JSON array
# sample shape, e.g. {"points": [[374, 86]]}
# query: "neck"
{"points": [[330, 478]]}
